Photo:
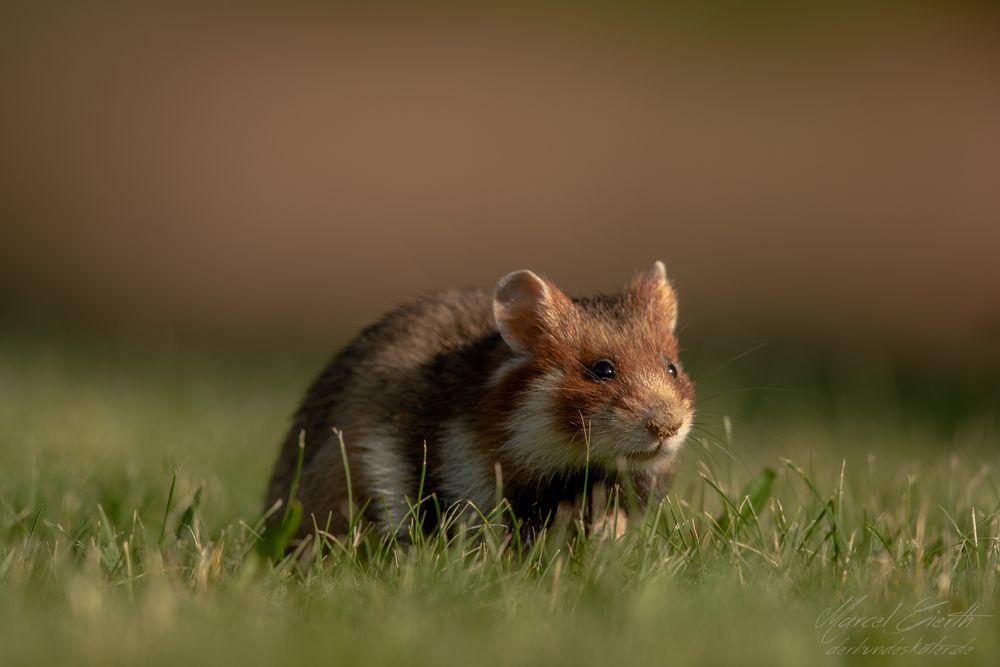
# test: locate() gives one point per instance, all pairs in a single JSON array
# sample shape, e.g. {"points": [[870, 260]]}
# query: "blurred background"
{"points": [[289, 173], [201, 202], [823, 185]]}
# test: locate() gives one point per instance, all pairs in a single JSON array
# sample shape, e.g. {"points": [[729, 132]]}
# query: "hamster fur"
{"points": [[523, 388]]}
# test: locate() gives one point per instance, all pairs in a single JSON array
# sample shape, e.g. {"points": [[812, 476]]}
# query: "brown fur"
{"points": [[480, 360]]}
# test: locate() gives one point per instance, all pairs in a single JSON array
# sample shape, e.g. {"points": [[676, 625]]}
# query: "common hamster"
{"points": [[524, 387]]}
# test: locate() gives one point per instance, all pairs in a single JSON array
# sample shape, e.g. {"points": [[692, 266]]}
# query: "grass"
{"points": [[131, 476]]}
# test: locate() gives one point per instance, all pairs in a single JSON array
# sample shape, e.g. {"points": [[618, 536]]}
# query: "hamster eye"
{"points": [[671, 369], [603, 371]]}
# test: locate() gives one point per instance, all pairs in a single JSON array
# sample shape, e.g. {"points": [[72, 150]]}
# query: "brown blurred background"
{"points": [[288, 174]]}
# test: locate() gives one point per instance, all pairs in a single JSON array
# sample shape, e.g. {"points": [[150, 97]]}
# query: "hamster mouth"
{"points": [[647, 454]]}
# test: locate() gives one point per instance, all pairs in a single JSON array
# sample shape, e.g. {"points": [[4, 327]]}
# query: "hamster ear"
{"points": [[655, 288], [525, 307]]}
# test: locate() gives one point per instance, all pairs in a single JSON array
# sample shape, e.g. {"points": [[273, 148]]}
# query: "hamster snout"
{"points": [[663, 423]]}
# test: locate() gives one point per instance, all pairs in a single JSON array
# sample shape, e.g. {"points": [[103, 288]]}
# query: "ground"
{"points": [[814, 498]]}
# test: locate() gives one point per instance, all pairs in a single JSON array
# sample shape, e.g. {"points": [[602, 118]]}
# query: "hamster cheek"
{"points": [[578, 405], [608, 433]]}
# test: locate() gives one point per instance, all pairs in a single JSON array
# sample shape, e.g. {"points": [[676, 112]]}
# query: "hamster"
{"points": [[521, 393]]}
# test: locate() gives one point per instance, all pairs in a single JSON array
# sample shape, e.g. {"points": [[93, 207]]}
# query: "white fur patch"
{"points": [[385, 469], [675, 443], [467, 473], [534, 443]]}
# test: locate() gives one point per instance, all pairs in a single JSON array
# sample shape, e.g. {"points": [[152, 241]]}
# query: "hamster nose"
{"points": [[663, 427]]}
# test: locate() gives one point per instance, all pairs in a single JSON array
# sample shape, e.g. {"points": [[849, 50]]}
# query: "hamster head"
{"points": [[594, 379]]}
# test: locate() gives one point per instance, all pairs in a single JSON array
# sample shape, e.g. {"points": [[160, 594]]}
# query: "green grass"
{"points": [[131, 476]]}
